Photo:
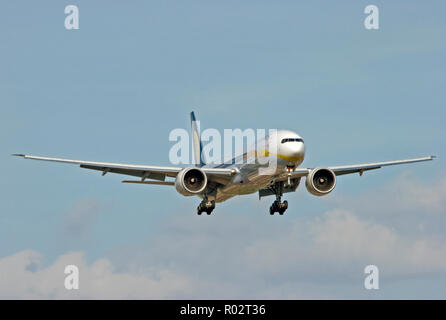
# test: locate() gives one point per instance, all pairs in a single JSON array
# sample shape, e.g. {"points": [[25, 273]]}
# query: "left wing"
{"points": [[354, 168], [143, 171]]}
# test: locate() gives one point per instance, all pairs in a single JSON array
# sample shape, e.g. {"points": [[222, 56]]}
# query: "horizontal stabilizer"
{"points": [[162, 183]]}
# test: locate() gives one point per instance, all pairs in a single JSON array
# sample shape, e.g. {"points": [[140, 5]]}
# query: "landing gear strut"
{"points": [[277, 205], [206, 206]]}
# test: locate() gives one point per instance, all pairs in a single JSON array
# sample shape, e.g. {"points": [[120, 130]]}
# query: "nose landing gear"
{"points": [[206, 206]]}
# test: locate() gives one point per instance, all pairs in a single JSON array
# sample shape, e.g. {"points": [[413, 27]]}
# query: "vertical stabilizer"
{"points": [[196, 140]]}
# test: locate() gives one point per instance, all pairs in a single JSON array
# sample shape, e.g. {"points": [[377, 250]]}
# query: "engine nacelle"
{"points": [[320, 181], [191, 181]]}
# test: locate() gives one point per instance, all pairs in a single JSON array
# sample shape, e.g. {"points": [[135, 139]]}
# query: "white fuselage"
{"points": [[258, 167]]}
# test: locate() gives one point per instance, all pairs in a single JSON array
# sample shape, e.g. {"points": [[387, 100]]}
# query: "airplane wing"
{"points": [[354, 168], [143, 171], [360, 168]]}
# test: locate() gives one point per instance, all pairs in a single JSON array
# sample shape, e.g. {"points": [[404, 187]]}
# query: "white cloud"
{"points": [[97, 280], [406, 193], [231, 255]]}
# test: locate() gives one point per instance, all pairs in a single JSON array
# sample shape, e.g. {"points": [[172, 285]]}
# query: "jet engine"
{"points": [[191, 181], [320, 181]]}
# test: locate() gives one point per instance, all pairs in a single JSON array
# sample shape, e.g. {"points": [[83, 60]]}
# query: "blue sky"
{"points": [[114, 89]]}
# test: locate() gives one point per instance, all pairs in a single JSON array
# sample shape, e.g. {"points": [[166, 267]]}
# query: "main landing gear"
{"points": [[277, 205], [206, 206]]}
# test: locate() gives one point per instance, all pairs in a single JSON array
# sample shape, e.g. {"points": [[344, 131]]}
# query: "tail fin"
{"points": [[196, 140]]}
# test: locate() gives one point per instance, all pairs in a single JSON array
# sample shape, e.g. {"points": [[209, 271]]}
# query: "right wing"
{"points": [[360, 168], [142, 171], [353, 168]]}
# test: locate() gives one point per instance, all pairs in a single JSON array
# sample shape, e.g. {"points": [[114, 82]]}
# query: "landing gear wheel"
{"points": [[206, 206], [277, 205], [282, 207]]}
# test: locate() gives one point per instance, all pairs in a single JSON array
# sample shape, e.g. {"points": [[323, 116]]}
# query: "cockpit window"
{"points": [[292, 139]]}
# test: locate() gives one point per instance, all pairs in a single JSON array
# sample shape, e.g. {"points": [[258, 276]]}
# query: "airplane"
{"points": [[218, 183]]}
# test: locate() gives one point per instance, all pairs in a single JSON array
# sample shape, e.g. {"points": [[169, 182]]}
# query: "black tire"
{"points": [[285, 205], [271, 211]]}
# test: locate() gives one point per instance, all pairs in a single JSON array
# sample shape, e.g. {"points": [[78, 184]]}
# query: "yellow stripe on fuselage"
{"points": [[266, 153]]}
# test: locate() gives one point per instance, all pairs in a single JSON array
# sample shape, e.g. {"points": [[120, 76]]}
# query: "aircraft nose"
{"points": [[300, 150], [297, 151]]}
